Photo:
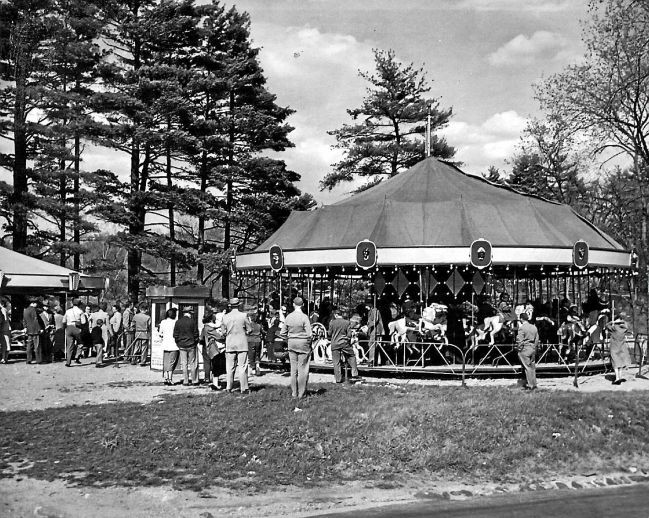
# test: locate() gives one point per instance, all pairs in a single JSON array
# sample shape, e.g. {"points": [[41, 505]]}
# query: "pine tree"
{"points": [[239, 118], [140, 33], [24, 26], [388, 137], [66, 78]]}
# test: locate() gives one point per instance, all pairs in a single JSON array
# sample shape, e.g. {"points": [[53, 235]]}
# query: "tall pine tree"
{"points": [[387, 139]]}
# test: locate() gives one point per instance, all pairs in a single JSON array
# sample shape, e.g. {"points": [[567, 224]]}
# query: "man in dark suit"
{"points": [[34, 327]]}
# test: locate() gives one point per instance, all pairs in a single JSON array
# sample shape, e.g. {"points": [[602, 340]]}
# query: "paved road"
{"points": [[621, 501]]}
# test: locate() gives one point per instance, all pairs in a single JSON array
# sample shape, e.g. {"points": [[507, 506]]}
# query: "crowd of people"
{"points": [[51, 332], [232, 340]]}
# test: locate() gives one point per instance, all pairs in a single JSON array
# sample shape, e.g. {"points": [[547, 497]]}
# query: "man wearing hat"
{"points": [[236, 328], [186, 337], [297, 330]]}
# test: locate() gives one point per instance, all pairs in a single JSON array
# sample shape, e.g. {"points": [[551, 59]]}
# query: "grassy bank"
{"points": [[380, 434]]}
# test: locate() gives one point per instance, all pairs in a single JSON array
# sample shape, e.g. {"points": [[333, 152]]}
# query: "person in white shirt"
{"points": [[74, 318], [169, 347], [115, 331]]}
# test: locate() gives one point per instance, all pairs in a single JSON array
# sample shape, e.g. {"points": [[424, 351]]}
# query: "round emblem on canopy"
{"points": [[366, 254], [276, 258], [481, 253], [580, 254]]}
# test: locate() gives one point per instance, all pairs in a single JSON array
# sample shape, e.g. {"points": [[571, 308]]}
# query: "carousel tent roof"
{"points": [[435, 204], [21, 272]]}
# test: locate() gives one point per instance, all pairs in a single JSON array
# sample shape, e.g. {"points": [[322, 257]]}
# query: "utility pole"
{"points": [[428, 132]]}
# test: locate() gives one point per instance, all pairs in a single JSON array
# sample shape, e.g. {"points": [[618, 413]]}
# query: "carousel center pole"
{"points": [[428, 132]]}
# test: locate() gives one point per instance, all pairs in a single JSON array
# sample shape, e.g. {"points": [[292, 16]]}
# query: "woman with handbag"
{"points": [[213, 349]]}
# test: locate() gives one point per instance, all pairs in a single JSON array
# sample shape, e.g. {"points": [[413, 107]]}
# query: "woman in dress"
{"points": [[170, 349], [620, 357], [213, 340]]}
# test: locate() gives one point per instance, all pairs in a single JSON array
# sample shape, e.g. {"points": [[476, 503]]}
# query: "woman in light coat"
{"points": [[169, 347], [620, 357]]}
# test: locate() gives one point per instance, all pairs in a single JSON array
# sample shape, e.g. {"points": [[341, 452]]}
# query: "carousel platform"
{"points": [[454, 371], [491, 362]]}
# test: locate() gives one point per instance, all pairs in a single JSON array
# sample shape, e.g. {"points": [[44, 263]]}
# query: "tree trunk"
{"points": [[200, 269], [227, 239], [134, 259], [77, 216], [172, 223], [19, 197], [63, 192]]}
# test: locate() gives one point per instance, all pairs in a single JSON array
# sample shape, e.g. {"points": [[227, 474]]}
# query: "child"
{"points": [[97, 335]]}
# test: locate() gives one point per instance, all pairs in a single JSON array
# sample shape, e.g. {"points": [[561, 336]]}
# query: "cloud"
{"points": [[315, 73], [488, 143], [536, 6], [311, 69], [523, 50]]}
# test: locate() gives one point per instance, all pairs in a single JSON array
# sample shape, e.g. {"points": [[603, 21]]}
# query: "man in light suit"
{"points": [[34, 327], [236, 327]]}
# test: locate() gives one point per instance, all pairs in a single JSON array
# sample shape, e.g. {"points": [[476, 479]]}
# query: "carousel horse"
{"points": [[524, 308], [321, 344], [571, 334], [359, 352], [398, 330], [595, 333], [492, 326], [430, 327]]}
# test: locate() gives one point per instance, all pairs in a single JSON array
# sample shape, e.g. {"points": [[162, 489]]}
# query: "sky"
{"points": [[481, 58]]}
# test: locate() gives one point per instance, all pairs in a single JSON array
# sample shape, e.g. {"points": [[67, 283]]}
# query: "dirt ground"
{"points": [[32, 387]]}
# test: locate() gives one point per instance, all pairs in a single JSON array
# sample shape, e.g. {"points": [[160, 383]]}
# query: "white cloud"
{"points": [[537, 6], [488, 143], [315, 73], [524, 50]]}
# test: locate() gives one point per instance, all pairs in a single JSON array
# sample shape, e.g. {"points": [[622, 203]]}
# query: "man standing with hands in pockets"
{"points": [[297, 331], [236, 327], [527, 340]]}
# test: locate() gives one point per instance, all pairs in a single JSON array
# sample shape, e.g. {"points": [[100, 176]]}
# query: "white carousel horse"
{"points": [[428, 327], [595, 333], [524, 308], [491, 326], [321, 344], [356, 346], [398, 330]]}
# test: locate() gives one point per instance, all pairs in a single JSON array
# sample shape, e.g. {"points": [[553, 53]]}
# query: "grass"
{"points": [[380, 434]]}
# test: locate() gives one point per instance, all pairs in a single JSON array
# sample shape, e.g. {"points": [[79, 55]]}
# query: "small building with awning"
{"points": [[24, 275]]}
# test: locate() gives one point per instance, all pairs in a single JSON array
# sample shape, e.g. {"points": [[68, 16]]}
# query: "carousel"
{"points": [[434, 266]]}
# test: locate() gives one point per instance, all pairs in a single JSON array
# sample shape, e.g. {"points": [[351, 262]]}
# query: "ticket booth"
{"points": [[163, 298]]}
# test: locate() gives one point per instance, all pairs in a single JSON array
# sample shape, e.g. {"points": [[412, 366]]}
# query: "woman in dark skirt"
{"points": [[213, 343]]}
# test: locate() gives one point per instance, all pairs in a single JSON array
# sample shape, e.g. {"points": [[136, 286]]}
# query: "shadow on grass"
{"points": [[383, 435]]}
